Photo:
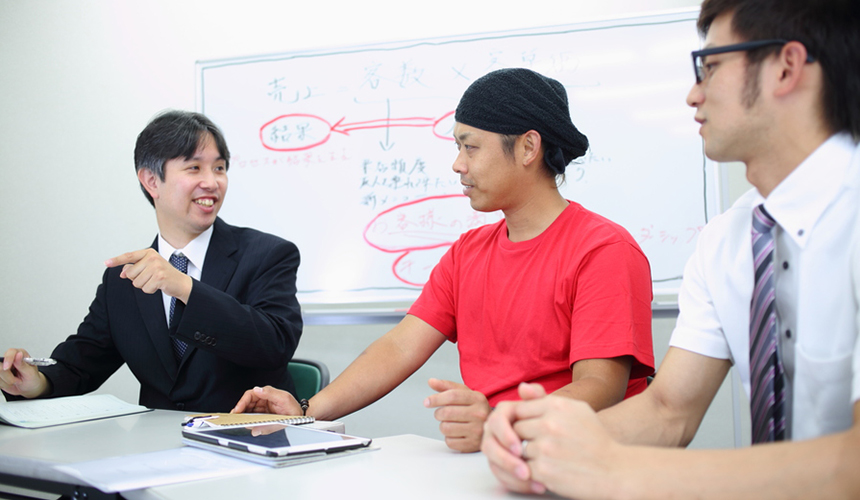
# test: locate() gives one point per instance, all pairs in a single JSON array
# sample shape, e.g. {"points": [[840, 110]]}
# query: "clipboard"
{"points": [[274, 444]]}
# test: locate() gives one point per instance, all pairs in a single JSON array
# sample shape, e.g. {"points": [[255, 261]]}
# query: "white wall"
{"points": [[79, 80]]}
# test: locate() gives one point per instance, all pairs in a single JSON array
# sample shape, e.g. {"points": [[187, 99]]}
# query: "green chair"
{"points": [[309, 376]]}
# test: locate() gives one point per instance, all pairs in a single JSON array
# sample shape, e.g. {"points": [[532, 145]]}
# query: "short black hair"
{"points": [[174, 134], [830, 31]]}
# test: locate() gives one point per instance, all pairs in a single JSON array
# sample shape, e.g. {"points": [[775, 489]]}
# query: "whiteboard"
{"points": [[347, 152]]}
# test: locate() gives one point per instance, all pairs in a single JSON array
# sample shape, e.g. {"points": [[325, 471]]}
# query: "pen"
{"points": [[196, 421], [37, 361]]}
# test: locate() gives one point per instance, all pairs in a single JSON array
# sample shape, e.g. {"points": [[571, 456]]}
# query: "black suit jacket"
{"points": [[242, 324]]}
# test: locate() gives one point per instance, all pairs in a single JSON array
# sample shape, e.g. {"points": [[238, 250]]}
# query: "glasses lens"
{"points": [[698, 68]]}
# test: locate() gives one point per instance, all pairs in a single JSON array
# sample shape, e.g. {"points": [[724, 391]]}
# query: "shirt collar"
{"points": [[799, 200], [195, 250]]}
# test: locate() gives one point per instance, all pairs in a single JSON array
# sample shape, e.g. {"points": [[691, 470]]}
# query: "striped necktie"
{"points": [[180, 262], [766, 372]]}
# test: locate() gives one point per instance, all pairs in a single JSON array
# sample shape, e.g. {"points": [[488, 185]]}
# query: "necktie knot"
{"points": [[762, 222], [180, 262]]}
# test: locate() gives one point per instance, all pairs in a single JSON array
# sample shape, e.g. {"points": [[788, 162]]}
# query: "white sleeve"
{"points": [[698, 328], [855, 277]]}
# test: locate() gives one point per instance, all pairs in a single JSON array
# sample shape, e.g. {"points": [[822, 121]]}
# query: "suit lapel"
{"points": [[152, 310], [218, 266]]}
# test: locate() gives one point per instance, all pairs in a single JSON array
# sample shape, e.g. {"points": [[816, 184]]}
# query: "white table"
{"points": [[405, 466], [30, 454]]}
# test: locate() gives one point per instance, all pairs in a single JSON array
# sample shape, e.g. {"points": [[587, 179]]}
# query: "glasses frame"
{"points": [[697, 55]]}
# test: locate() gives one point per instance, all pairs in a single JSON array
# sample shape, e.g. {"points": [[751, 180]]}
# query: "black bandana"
{"points": [[516, 100]]}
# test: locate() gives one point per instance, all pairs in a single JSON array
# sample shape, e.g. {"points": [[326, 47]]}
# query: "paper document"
{"points": [[37, 413], [157, 468]]}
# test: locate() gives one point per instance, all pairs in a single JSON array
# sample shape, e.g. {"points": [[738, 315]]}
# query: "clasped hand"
{"points": [[569, 451]]}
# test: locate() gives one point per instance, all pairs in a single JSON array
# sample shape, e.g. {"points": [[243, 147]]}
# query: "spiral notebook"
{"points": [[233, 419]]}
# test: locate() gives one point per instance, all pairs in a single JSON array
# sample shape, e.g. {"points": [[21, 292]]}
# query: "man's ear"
{"points": [[530, 144], [149, 181], [791, 65]]}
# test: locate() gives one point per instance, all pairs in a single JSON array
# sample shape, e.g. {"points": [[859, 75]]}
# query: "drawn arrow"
{"points": [[299, 131], [387, 145]]}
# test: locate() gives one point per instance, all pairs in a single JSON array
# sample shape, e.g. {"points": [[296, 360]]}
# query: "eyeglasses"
{"points": [[698, 55]]}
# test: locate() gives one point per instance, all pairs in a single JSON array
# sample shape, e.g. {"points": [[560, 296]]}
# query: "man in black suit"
{"points": [[207, 311]]}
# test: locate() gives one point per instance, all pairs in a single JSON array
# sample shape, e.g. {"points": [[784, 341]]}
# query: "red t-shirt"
{"points": [[527, 311]]}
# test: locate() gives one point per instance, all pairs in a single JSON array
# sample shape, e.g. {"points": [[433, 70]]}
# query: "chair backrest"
{"points": [[309, 376]]}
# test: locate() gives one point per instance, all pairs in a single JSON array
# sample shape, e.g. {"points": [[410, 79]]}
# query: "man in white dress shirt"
{"points": [[778, 88]]}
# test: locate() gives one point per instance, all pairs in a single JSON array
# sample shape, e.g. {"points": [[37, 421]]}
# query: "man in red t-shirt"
{"points": [[552, 294]]}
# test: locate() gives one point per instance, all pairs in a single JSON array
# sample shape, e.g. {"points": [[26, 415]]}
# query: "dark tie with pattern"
{"points": [[180, 262], [766, 372]]}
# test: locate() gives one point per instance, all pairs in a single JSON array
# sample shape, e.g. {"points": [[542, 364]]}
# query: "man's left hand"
{"points": [[461, 413]]}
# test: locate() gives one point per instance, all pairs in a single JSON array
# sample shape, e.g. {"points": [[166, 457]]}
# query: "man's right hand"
{"points": [[150, 272], [267, 400], [19, 378]]}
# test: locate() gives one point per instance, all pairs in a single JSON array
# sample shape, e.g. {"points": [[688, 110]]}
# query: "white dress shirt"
{"points": [[815, 209], [194, 251]]}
